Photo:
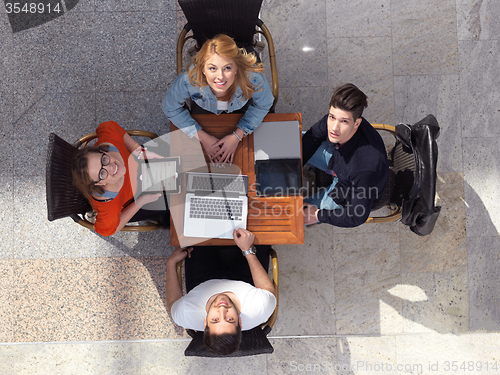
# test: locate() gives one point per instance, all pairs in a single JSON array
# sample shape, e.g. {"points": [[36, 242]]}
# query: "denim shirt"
{"points": [[181, 90]]}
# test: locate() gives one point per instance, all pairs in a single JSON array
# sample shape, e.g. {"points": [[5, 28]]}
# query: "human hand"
{"points": [[150, 155], [228, 146], [179, 254], [147, 198], [243, 238], [310, 213], [208, 142]]}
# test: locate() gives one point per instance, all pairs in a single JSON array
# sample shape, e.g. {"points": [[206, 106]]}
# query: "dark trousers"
{"points": [[144, 214], [221, 262]]}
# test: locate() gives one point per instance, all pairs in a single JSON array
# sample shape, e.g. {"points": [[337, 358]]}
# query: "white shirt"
{"points": [[222, 106], [257, 305]]}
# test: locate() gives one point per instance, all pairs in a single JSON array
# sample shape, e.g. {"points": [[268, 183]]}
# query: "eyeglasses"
{"points": [[103, 173]]}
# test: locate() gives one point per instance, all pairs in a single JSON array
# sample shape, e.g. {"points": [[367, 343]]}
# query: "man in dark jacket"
{"points": [[346, 146]]}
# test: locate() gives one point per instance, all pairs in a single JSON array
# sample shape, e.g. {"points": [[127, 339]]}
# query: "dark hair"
{"points": [[349, 98], [224, 344], [80, 171]]}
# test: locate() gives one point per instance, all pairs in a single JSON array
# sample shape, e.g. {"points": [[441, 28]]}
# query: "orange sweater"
{"points": [[108, 213]]}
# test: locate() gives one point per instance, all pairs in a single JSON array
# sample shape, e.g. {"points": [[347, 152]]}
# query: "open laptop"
{"points": [[278, 165], [216, 204]]}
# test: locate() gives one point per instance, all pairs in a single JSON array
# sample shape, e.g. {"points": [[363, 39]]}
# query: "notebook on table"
{"points": [[215, 205]]}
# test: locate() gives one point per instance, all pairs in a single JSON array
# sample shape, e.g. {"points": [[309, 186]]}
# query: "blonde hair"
{"points": [[225, 46]]}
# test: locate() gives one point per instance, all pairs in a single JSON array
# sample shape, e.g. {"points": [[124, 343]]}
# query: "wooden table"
{"points": [[273, 220]]}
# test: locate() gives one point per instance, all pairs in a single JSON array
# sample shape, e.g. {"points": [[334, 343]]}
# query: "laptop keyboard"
{"points": [[219, 183], [216, 208]]}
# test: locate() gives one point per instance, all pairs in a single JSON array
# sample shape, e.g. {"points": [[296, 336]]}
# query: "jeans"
{"points": [[320, 160]]}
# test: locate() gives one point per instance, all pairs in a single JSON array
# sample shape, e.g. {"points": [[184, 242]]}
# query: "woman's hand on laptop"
{"points": [[243, 238], [228, 146], [208, 142]]}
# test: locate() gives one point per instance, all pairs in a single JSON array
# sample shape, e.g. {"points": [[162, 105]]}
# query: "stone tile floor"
{"points": [[374, 299]]}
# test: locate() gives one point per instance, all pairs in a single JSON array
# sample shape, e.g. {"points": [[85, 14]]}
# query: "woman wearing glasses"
{"points": [[107, 175]]}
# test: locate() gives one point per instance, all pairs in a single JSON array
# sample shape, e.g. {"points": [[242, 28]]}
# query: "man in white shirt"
{"points": [[223, 305]]}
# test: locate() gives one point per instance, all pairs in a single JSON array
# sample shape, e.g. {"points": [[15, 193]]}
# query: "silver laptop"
{"points": [[266, 134], [278, 165], [216, 204]]}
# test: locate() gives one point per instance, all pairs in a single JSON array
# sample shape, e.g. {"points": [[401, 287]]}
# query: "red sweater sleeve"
{"points": [[110, 132]]}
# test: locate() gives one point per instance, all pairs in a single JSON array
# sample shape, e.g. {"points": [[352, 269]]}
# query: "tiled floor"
{"points": [[369, 300]]}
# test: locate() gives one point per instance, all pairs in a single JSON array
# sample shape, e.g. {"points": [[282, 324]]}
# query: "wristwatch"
{"points": [[252, 250]]}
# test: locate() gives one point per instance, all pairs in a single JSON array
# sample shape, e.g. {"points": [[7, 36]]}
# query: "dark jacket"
{"points": [[418, 210], [361, 167]]}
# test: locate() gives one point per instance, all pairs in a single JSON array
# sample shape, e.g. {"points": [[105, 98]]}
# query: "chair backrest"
{"points": [[253, 342], [401, 172], [63, 199], [403, 167], [399, 180], [385, 198], [209, 18]]}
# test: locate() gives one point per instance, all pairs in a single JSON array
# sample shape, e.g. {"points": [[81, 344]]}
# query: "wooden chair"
{"points": [[399, 180], [63, 199], [238, 19], [253, 341]]}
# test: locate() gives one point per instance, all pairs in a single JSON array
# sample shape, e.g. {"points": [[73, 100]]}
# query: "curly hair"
{"points": [[225, 46], [224, 344], [80, 171]]}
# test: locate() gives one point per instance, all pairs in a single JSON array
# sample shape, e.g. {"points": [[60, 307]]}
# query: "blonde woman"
{"points": [[223, 78]]}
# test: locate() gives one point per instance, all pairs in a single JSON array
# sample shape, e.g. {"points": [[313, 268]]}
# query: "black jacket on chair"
{"points": [[418, 209]]}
